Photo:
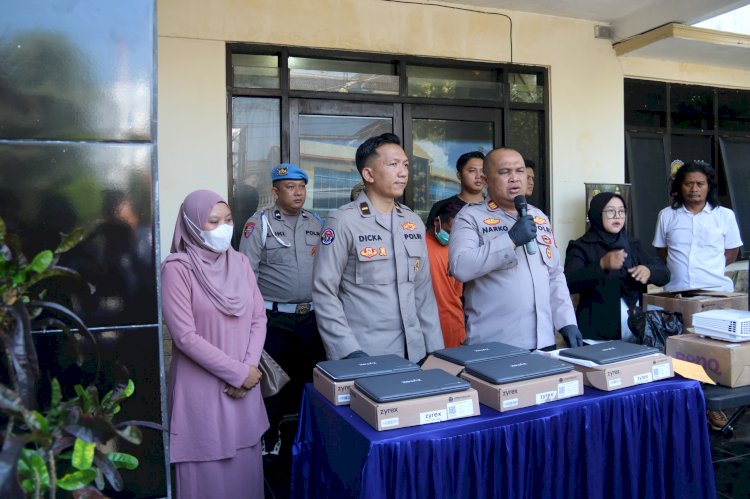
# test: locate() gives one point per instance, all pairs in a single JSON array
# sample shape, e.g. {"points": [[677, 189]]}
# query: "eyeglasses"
{"points": [[611, 212]]}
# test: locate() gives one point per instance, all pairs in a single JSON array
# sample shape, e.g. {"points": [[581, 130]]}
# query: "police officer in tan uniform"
{"points": [[510, 295], [280, 242], [371, 280]]}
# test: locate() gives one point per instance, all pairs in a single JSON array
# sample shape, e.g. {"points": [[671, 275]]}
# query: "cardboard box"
{"points": [[415, 412], [692, 301], [337, 392], [433, 362], [726, 363], [610, 377], [529, 392]]}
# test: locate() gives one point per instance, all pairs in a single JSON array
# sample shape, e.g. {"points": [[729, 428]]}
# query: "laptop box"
{"points": [[618, 375], [454, 360], [607, 352], [517, 368], [691, 301], [726, 363], [416, 411], [527, 393], [408, 385], [336, 391]]}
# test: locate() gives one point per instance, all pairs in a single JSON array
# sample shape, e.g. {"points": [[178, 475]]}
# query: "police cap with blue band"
{"points": [[288, 171]]}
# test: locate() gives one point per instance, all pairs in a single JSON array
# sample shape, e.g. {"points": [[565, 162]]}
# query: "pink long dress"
{"points": [[214, 439]]}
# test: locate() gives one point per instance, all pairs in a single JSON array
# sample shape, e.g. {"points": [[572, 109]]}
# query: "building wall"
{"points": [[586, 80], [650, 69]]}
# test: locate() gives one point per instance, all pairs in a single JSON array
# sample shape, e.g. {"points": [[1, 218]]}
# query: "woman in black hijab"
{"points": [[609, 271]]}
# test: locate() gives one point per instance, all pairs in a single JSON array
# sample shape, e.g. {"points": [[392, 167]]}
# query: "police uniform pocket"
{"points": [[416, 254], [548, 254], [312, 237], [275, 251], [543, 238], [374, 265]]}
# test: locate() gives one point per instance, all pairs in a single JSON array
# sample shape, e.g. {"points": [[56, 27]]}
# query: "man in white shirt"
{"points": [[698, 239], [695, 236]]}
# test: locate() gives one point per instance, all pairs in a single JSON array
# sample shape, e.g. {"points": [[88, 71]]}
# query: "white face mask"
{"points": [[218, 239]]}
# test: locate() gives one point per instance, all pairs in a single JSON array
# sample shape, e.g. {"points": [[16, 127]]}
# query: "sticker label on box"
{"points": [[344, 398], [545, 397], [432, 416], [510, 403], [567, 389], [461, 409], [387, 423], [639, 379], [614, 382], [660, 370]]}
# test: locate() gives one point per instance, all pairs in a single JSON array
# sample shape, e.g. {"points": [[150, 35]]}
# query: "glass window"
{"points": [[327, 145], [692, 107], [255, 71], [454, 83], [256, 149], [526, 87], [734, 110], [645, 103], [328, 75], [437, 144], [316, 107], [525, 128]]}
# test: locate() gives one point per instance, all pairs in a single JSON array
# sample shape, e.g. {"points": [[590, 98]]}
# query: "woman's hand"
{"points": [[235, 393], [640, 273], [613, 260], [253, 377]]}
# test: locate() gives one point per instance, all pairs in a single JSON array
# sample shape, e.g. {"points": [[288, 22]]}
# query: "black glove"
{"points": [[572, 335], [357, 354], [523, 231]]}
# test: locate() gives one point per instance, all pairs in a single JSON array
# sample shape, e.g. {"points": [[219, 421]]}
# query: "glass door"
{"points": [[434, 138], [324, 136]]}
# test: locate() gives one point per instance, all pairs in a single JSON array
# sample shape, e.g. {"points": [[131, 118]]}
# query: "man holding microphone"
{"points": [[515, 290]]}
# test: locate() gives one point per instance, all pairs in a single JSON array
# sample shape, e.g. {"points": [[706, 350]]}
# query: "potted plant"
{"points": [[60, 443]]}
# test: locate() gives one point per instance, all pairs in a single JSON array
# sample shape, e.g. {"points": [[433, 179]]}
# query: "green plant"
{"points": [[63, 445]]}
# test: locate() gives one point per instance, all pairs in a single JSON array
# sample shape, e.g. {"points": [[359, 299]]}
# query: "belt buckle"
{"points": [[302, 308]]}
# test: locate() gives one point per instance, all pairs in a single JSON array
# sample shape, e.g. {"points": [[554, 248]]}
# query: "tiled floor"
{"points": [[731, 458]]}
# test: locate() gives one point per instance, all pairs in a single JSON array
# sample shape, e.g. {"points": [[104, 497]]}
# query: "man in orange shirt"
{"points": [[448, 291]]}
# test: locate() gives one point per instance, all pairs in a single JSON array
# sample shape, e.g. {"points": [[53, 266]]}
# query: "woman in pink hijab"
{"points": [[217, 319]]}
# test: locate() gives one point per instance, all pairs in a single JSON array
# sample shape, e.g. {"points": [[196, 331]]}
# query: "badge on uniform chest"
{"points": [[493, 224]]}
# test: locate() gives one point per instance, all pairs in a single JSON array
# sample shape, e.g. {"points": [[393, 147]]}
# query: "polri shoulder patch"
{"points": [[327, 236]]}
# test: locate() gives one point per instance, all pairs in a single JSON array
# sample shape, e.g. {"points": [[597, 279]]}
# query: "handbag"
{"points": [[274, 377]]}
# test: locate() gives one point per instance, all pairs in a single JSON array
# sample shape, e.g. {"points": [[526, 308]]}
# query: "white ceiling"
{"points": [[636, 26]]}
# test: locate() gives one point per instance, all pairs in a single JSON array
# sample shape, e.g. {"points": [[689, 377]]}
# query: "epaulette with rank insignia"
{"points": [[314, 215], [403, 207], [364, 208]]}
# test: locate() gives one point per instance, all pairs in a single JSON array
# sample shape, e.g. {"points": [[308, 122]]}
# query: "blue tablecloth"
{"points": [[646, 441]]}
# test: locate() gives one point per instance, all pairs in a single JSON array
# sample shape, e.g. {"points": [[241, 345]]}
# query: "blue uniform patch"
{"points": [[327, 236]]}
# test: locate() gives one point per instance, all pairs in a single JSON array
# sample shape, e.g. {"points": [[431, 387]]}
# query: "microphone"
{"points": [[520, 202]]}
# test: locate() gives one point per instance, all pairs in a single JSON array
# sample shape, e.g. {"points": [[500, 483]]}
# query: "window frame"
{"points": [[501, 107]]}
